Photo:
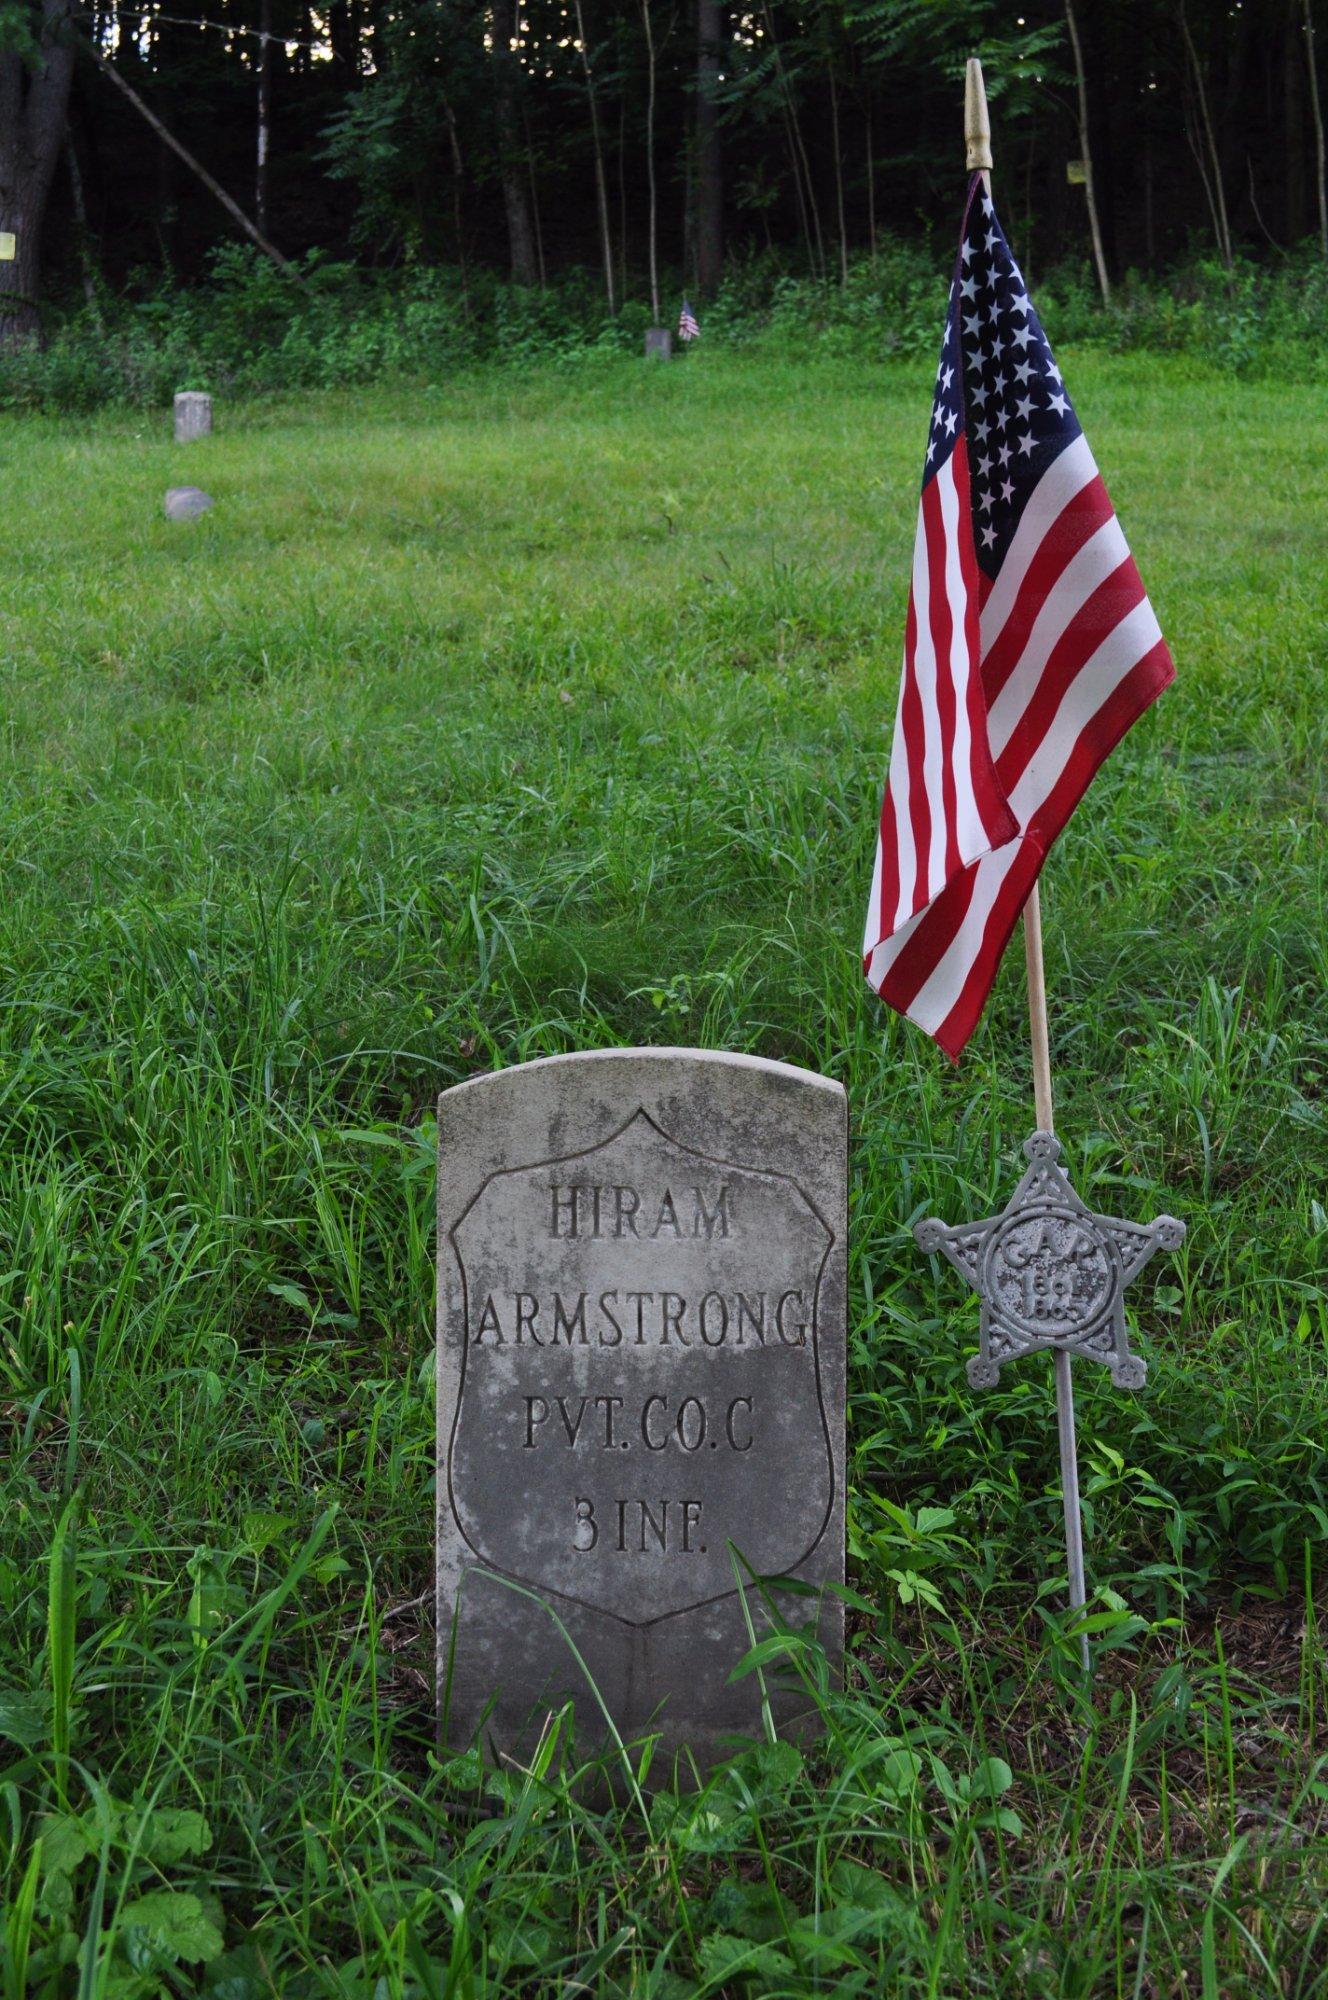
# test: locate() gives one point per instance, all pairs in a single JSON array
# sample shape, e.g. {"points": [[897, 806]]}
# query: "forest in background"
{"points": [[605, 154]]}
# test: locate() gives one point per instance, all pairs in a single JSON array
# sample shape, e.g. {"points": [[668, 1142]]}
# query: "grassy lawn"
{"points": [[550, 711]]}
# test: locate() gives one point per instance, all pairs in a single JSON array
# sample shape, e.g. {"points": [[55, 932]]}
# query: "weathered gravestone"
{"points": [[641, 1354], [193, 415], [186, 503]]}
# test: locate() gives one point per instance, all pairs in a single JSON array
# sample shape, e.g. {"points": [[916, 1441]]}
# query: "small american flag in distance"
{"points": [[1029, 650], [688, 329]]}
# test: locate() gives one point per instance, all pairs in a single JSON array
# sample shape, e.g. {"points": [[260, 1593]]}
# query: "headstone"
{"points": [[641, 1355], [659, 343], [193, 416], [186, 503]]}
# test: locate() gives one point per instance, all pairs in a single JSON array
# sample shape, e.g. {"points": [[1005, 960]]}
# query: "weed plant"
{"points": [[549, 711]]}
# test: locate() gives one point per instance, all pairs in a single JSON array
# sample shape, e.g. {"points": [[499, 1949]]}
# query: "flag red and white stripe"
{"points": [[1030, 648]]}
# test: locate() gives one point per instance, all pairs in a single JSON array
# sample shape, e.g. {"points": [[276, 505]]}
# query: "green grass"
{"points": [[549, 711]]}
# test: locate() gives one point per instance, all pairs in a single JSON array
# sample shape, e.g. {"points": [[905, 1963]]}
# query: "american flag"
{"points": [[688, 329], [1029, 650]]}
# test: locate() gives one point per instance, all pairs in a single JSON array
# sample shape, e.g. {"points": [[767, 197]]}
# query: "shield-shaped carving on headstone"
{"points": [[636, 1315]]}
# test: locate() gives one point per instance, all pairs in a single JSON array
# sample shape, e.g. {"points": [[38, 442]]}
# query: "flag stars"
{"points": [[994, 360]]}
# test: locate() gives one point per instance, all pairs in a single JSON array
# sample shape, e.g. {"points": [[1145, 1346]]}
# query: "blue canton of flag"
{"points": [[1018, 416]]}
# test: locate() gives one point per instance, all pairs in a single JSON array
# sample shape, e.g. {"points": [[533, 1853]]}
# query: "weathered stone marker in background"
{"points": [[641, 1349], [186, 503], [659, 343], [193, 416]]}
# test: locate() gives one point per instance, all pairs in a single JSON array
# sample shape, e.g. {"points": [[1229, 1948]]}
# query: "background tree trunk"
{"points": [[181, 152], [653, 224], [870, 181], [709, 150], [804, 188], [532, 175], [1204, 142], [1094, 226], [597, 143], [264, 113], [1316, 108], [839, 173], [34, 108], [506, 81], [458, 181], [343, 34], [87, 262]]}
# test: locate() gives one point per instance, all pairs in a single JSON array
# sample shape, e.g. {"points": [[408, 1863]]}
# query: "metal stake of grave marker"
{"points": [[977, 154], [1041, 1046]]}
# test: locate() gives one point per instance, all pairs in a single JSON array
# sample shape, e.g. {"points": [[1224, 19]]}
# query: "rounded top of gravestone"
{"points": [[663, 1056], [186, 503]]}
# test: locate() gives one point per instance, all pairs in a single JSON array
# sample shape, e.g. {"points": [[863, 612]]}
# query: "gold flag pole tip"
{"points": [[977, 125]]}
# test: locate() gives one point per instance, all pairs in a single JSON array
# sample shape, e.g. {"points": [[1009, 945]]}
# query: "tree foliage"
{"points": [[463, 132]]}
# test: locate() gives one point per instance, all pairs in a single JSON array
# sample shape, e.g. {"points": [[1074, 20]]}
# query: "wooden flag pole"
{"points": [[977, 153]]}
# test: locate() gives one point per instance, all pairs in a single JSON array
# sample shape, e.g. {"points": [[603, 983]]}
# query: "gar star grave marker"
{"points": [[640, 1388], [1051, 1273]]}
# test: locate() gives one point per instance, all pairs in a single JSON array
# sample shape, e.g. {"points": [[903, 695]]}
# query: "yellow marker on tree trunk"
{"points": [[8, 246]]}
